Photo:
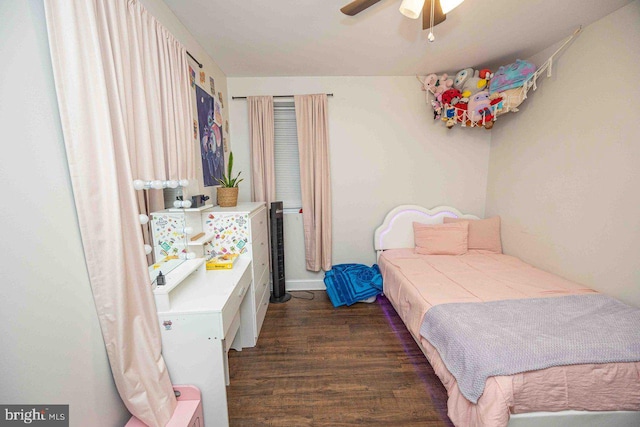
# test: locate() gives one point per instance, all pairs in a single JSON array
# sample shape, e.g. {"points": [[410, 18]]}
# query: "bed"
{"points": [[602, 394]]}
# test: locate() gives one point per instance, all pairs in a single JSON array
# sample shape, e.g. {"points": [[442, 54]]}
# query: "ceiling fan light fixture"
{"points": [[449, 5], [412, 8]]}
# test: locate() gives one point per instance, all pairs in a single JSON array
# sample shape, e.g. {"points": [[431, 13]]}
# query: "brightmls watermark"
{"points": [[35, 415]]}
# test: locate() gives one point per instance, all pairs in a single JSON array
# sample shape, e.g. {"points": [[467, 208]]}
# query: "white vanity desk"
{"points": [[199, 320]]}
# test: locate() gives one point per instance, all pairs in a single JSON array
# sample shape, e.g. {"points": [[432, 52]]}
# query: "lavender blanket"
{"points": [[481, 340]]}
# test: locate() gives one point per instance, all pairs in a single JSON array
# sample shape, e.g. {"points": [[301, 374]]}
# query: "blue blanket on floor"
{"points": [[349, 283]]}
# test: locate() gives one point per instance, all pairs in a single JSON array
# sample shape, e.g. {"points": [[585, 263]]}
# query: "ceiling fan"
{"points": [[411, 9]]}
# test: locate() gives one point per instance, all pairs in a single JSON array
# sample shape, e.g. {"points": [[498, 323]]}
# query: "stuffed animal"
{"points": [[443, 84], [436, 85], [512, 76], [450, 96], [473, 85], [512, 98], [480, 107], [450, 123], [437, 109], [486, 74], [469, 81], [429, 83], [461, 111], [462, 77], [496, 101]]}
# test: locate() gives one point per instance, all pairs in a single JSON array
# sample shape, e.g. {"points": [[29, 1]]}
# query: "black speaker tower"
{"points": [[277, 254]]}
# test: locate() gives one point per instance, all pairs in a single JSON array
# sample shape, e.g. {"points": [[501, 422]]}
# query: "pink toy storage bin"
{"points": [[188, 412]]}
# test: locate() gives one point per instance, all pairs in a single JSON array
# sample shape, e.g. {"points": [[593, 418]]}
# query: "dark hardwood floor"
{"points": [[316, 365]]}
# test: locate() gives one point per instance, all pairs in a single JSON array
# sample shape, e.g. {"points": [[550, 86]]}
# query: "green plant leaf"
{"points": [[230, 165], [227, 181]]}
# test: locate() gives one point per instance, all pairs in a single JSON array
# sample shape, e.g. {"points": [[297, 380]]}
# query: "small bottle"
{"points": [[160, 281]]}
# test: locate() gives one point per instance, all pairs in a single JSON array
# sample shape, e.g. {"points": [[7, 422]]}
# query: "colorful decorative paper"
{"points": [[195, 129], [202, 77], [192, 76], [168, 236], [231, 233], [212, 86], [220, 99]]}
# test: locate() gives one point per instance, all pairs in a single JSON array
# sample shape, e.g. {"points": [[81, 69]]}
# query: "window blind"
{"points": [[287, 163]]}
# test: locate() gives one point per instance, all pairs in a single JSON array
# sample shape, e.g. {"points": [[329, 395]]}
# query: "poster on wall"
{"points": [[211, 145]]}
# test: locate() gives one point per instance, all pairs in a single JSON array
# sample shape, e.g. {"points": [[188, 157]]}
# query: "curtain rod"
{"points": [[192, 57], [275, 96]]}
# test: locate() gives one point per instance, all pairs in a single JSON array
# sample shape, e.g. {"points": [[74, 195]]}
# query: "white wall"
{"points": [[385, 150], [52, 350], [564, 171]]}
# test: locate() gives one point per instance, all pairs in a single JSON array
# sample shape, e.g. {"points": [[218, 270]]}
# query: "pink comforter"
{"points": [[414, 283]]}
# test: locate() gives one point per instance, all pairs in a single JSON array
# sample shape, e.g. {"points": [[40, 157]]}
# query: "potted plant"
{"points": [[228, 190]]}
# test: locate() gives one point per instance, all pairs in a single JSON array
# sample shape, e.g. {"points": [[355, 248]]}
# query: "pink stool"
{"points": [[188, 412]]}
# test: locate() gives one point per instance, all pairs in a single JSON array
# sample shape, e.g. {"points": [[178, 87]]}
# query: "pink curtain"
{"points": [[123, 94], [315, 184], [261, 129]]}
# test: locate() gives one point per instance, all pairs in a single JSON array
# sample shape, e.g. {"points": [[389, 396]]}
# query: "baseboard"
{"points": [[305, 285]]}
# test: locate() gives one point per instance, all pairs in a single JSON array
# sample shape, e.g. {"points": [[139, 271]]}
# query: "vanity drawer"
{"points": [[258, 224], [261, 286], [260, 255], [231, 334], [259, 246], [232, 306], [261, 311]]}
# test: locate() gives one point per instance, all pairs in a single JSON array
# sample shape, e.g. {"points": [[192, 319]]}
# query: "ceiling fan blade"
{"points": [[438, 16], [357, 6]]}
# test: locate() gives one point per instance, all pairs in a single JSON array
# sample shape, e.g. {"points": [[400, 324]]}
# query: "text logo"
{"points": [[34, 415]]}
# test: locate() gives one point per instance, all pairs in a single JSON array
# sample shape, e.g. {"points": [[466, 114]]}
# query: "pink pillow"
{"points": [[484, 234], [440, 239]]}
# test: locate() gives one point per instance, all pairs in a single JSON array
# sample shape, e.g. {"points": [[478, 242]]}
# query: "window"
{"points": [[287, 162]]}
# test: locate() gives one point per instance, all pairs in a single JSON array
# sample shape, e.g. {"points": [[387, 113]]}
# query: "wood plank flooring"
{"points": [[316, 365]]}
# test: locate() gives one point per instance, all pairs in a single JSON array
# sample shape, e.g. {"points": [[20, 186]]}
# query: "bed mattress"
{"points": [[414, 283]]}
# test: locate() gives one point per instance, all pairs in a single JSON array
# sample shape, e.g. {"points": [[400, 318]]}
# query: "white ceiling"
{"points": [[313, 38]]}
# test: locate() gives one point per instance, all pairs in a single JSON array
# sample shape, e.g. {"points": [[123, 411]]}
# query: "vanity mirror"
{"points": [[165, 231]]}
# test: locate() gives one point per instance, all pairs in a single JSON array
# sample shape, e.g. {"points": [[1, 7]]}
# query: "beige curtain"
{"points": [[315, 184], [261, 129], [123, 94]]}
